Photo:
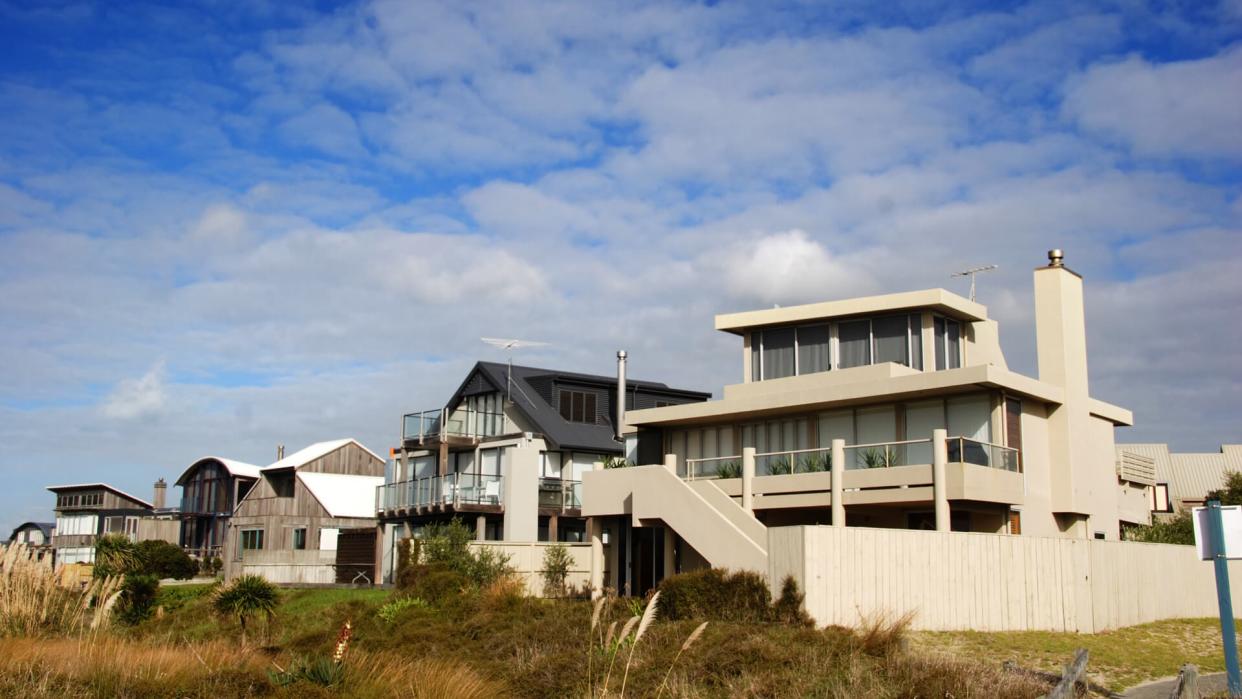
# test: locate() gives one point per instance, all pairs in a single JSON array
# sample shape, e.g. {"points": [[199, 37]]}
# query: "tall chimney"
{"points": [[620, 394], [161, 488], [1061, 348], [280, 452]]}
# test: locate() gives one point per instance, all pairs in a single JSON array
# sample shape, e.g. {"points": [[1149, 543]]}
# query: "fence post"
{"points": [[1073, 673], [748, 479], [838, 482], [940, 493], [1187, 686]]}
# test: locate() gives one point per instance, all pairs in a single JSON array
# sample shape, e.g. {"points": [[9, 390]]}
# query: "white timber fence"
{"points": [[991, 582], [526, 558]]}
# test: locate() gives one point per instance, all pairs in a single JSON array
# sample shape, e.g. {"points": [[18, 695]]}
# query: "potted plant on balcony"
{"points": [[815, 463], [780, 467], [729, 469]]}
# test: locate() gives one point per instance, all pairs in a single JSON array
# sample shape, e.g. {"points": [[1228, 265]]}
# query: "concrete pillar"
{"points": [[595, 529], [521, 494], [670, 542], [552, 524], [748, 479], [670, 462], [480, 528], [940, 494], [838, 482]]}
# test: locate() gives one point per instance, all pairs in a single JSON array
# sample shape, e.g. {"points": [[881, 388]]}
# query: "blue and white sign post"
{"points": [[1218, 535]]}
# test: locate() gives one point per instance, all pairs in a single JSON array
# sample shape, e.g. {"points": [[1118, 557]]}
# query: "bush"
{"points": [[115, 555], [447, 546], [788, 607], [1179, 529], [389, 612], [438, 585], [715, 594], [556, 562], [137, 600], [165, 560]]}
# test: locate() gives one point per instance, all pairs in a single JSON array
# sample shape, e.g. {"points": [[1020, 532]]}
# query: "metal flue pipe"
{"points": [[620, 393]]}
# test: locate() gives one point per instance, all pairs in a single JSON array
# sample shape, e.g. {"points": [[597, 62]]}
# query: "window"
{"points": [[948, 343], [578, 406], [251, 539], [853, 344], [813, 349], [1015, 522], [778, 353], [551, 467], [282, 484], [299, 538]]}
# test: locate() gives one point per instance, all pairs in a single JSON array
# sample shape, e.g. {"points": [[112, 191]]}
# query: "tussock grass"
{"points": [[35, 600]]}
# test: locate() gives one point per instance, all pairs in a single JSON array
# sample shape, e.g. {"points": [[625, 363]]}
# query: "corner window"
{"points": [[251, 539]]}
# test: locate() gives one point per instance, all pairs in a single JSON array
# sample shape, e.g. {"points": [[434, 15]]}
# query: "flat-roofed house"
{"points": [[894, 411], [86, 511], [310, 517], [1182, 480]]}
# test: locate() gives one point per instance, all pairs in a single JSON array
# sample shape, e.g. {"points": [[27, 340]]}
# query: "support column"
{"points": [[838, 482], [940, 494], [480, 528], [552, 525], [595, 528], [670, 462], [748, 479], [670, 561]]}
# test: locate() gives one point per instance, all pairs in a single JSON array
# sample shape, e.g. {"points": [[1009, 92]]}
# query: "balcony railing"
{"points": [[557, 494], [915, 452], [455, 488], [972, 451], [463, 422]]}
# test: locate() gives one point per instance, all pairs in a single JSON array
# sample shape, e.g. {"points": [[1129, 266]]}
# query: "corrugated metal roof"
{"points": [[237, 469], [1191, 476], [308, 454]]}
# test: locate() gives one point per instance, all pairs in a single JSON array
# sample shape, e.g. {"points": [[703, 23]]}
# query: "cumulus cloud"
{"points": [[137, 398], [787, 267], [1178, 109]]}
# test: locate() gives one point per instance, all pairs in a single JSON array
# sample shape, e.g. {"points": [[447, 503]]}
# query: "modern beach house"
{"points": [[86, 511], [1182, 480], [894, 411], [506, 453]]}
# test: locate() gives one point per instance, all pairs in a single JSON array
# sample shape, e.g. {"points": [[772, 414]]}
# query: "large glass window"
{"points": [[813, 349], [892, 339], [854, 343], [778, 353]]}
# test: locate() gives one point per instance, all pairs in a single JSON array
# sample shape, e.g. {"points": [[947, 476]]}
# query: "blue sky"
{"points": [[224, 228]]}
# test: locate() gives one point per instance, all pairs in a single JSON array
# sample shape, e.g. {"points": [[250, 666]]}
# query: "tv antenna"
{"points": [[509, 345], [971, 273]]}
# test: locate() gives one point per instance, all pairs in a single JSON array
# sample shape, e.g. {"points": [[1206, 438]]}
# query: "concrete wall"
{"points": [[527, 561], [987, 582]]}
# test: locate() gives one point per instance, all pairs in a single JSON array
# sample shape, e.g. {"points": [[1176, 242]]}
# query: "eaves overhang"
{"points": [[938, 300]]}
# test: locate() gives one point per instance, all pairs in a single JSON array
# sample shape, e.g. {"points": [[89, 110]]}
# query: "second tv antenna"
{"points": [[971, 273]]}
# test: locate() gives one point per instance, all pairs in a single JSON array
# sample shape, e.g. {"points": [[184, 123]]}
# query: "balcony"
{"points": [[557, 494], [454, 490], [881, 473], [462, 424]]}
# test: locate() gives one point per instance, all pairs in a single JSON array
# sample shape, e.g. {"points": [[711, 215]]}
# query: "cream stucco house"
{"points": [[894, 411]]}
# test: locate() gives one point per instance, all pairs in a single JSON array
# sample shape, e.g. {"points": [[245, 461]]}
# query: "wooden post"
{"points": [[1071, 677], [1187, 686]]}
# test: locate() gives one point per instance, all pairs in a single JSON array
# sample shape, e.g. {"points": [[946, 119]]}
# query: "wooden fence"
{"points": [[991, 582]]}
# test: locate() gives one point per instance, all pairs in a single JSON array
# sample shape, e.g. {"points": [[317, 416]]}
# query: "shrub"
{"points": [[389, 612], [729, 469], [1179, 529], [210, 565], [780, 467], [715, 594], [556, 562], [116, 555], [165, 560], [409, 551], [438, 585], [788, 607], [137, 600], [447, 546]]}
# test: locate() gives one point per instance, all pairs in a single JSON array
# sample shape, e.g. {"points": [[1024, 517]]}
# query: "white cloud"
{"points": [[1180, 109], [786, 267], [137, 398]]}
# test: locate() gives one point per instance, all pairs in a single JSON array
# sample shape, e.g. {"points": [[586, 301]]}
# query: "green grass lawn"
{"points": [[1119, 659]]}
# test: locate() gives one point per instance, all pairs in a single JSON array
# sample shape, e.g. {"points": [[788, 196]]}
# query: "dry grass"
{"points": [[35, 600]]}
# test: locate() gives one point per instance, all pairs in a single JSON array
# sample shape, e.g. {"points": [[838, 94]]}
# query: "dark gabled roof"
{"points": [[46, 527], [561, 433]]}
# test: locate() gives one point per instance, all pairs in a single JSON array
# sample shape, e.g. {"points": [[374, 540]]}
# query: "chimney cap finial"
{"points": [[621, 354], [1056, 258]]}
